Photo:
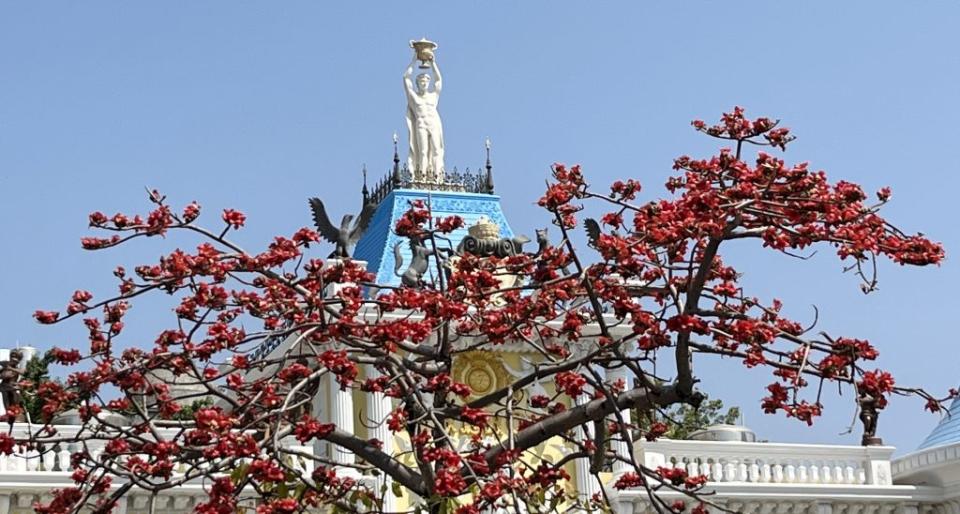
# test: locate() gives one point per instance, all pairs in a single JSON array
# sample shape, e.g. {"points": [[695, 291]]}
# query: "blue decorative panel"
{"points": [[948, 431], [376, 246]]}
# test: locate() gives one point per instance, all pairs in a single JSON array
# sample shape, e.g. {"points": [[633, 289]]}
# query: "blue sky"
{"points": [[258, 105]]}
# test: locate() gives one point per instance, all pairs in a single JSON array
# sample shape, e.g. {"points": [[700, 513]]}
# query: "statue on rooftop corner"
{"points": [[425, 131], [869, 412], [10, 379], [346, 236]]}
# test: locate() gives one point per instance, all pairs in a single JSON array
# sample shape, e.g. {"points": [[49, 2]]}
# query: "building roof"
{"points": [[376, 247], [948, 431]]}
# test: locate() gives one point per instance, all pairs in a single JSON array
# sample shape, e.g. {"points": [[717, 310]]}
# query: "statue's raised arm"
{"points": [[437, 80], [407, 82]]}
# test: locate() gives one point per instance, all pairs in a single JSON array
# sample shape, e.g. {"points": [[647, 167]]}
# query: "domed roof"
{"points": [[948, 431]]}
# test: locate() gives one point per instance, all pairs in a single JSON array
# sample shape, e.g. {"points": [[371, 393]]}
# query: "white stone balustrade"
{"points": [[741, 462], [56, 460]]}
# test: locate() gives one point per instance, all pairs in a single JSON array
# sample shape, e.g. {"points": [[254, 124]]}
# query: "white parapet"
{"points": [[780, 478], [772, 462]]}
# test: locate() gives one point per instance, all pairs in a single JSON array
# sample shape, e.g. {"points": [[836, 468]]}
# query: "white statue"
{"points": [[424, 128]]}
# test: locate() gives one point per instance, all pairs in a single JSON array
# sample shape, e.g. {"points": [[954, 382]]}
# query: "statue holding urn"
{"points": [[425, 158]]}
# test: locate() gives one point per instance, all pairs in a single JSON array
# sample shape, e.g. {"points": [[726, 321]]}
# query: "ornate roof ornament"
{"points": [[484, 229]]}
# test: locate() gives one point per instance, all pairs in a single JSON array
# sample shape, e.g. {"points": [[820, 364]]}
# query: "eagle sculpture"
{"points": [[349, 232], [593, 231]]}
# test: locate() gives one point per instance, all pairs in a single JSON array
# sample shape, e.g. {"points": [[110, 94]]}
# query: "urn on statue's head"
{"points": [[424, 50]]}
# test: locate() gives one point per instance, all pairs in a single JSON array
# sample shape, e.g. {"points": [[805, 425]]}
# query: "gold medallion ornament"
{"points": [[483, 371]]}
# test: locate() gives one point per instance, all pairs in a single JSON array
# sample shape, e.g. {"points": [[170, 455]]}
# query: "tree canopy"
{"points": [[652, 285]]}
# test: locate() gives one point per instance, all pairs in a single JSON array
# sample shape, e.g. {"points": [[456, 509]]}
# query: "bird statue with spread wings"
{"points": [[348, 234], [593, 231]]}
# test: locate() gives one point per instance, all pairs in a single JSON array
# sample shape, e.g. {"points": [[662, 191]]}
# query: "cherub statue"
{"points": [[869, 412], [10, 379]]}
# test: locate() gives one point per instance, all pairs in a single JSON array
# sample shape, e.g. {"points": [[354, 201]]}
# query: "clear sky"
{"points": [[257, 105]]}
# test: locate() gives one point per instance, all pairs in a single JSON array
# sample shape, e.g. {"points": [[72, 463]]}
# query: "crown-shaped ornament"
{"points": [[484, 229]]}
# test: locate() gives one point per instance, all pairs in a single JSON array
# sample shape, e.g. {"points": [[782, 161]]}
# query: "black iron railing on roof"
{"points": [[461, 181], [479, 181]]}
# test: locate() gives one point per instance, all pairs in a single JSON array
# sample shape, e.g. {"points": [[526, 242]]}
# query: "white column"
{"points": [[587, 484], [618, 445], [4, 503], [4, 355], [378, 408], [341, 415], [340, 402], [319, 410]]}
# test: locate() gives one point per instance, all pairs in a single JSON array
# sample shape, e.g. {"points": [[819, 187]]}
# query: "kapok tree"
{"points": [[653, 284]]}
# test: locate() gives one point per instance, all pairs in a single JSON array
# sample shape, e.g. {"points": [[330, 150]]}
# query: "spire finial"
{"points": [[365, 191], [487, 145], [396, 162]]}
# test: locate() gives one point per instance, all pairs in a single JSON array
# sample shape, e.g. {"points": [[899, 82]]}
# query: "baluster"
{"points": [[677, 462], [826, 474], [49, 460], [850, 475], [692, 467], [790, 473], [33, 460], [837, 473], [20, 461], [742, 471], [717, 474], [754, 472], [802, 475], [729, 471], [778, 473], [765, 474], [815, 473], [861, 475], [63, 458]]}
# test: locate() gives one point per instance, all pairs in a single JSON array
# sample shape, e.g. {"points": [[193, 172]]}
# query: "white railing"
{"points": [[740, 462], [56, 458]]}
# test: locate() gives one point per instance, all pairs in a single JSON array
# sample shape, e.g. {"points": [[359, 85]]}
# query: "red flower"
{"points": [[6, 444], [81, 296], [539, 401], [46, 317], [473, 416], [66, 357], [448, 224], [570, 383], [628, 480], [309, 428], [236, 219], [449, 482], [97, 219], [191, 212], [656, 430]]}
